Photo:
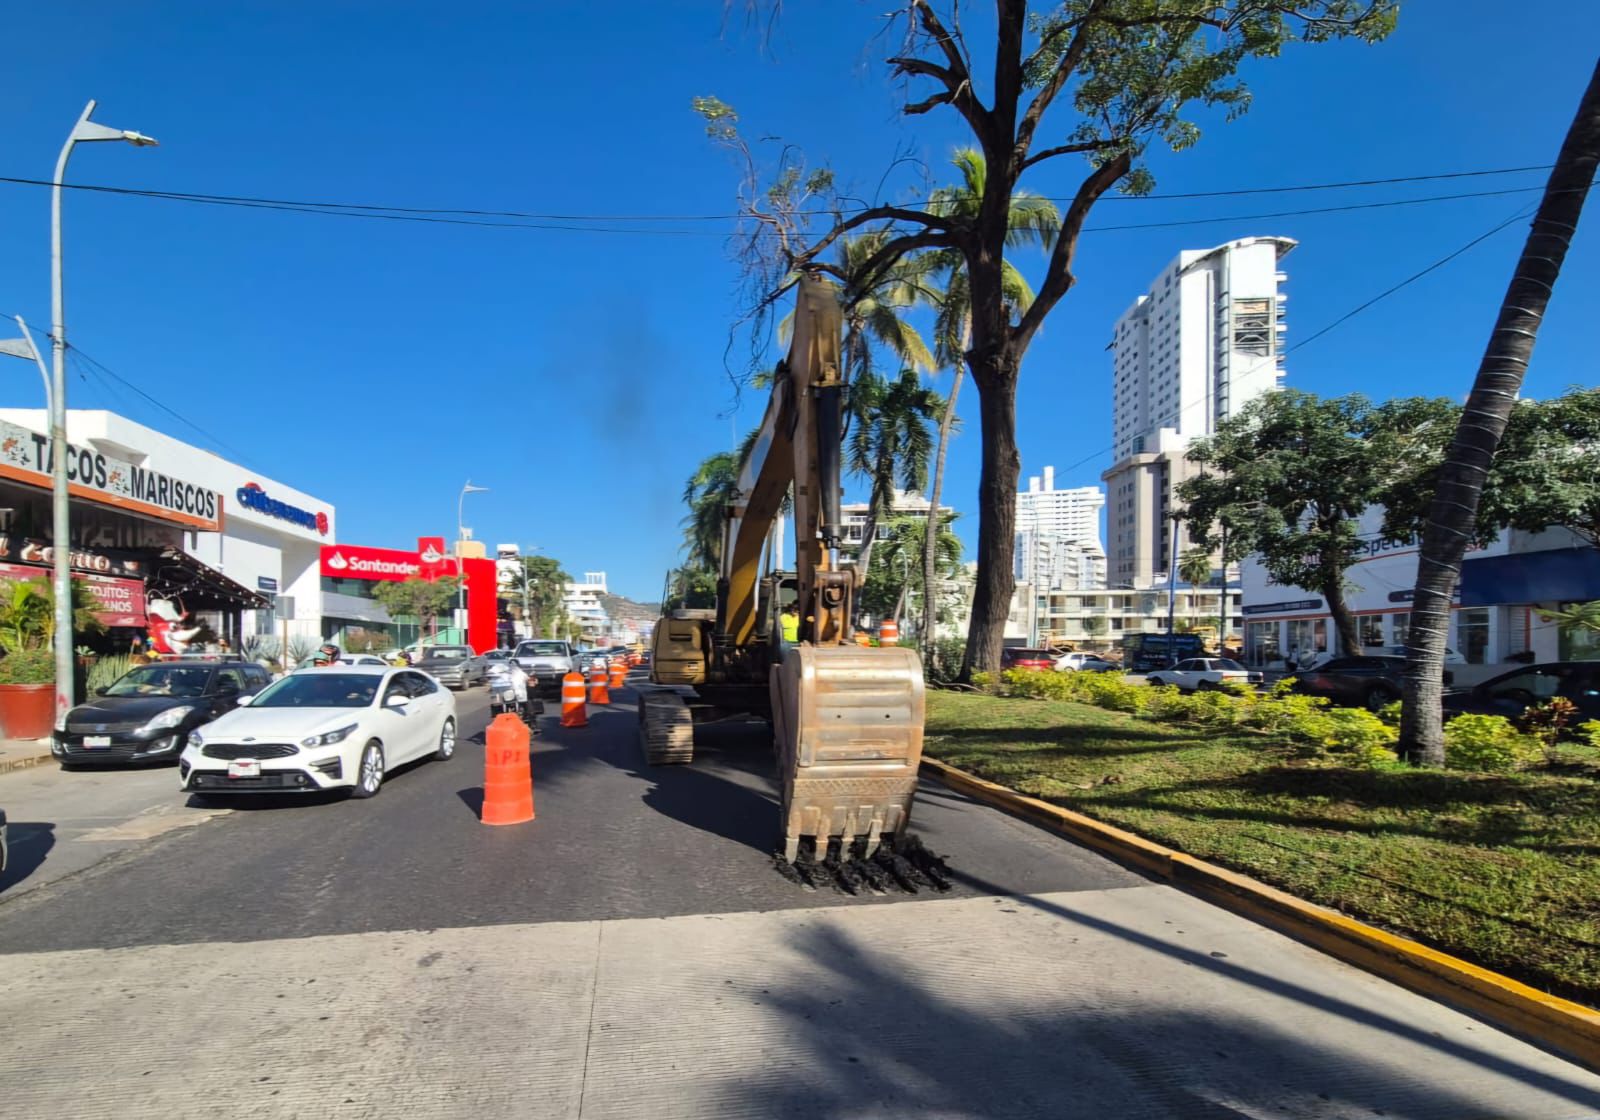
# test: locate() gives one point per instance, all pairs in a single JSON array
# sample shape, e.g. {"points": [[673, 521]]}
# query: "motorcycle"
{"points": [[503, 695]]}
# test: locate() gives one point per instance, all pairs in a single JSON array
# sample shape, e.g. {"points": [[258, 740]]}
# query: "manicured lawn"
{"points": [[1503, 870]]}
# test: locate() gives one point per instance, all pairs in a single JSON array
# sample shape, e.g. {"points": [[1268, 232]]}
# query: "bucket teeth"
{"points": [[900, 865], [666, 729]]}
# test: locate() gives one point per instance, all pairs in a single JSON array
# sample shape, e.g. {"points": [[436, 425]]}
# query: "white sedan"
{"points": [[340, 726], [1204, 672]]}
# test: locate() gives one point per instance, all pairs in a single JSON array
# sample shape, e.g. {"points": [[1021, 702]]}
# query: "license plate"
{"points": [[92, 742], [244, 768]]}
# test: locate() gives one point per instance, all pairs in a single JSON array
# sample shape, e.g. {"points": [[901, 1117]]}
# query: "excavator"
{"points": [[847, 719]]}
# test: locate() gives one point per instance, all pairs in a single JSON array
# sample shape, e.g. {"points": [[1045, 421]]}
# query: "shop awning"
{"points": [[1554, 575], [174, 574]]}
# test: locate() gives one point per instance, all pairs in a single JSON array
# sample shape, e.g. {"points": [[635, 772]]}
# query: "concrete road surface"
{"points": [[631, 953]]}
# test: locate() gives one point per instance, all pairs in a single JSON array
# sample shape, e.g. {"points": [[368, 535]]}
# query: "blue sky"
{"points": [[580, 375]]}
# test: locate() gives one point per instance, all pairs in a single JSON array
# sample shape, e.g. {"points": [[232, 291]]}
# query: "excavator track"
{"points": [[666, 729]]}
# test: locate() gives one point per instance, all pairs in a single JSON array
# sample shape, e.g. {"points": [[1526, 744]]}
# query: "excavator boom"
{"points": [[847, 719]]}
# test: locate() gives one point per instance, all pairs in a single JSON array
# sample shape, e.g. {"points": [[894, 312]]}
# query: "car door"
{"points": [[432, 704], [229, 684], [401, 727]]}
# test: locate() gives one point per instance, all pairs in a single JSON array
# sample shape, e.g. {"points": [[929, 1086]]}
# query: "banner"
{"points": [[436, 562], [347, 561], [122, 601]]}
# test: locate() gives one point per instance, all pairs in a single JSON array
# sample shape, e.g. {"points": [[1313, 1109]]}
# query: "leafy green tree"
{"points": [[897, 573], [1124, 73], [1194, 567], [1033, 220], [27, 613], [1453, 516], [889, 443], [420, 599], [1293, 475], [1093, 624], [1547, 469], [708, 493], [541, 583]]}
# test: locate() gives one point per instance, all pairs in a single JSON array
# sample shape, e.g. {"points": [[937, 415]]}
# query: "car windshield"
{"points": [[162, 680], [542, 649], [320, 689], [446, 653], [1226, 663]]}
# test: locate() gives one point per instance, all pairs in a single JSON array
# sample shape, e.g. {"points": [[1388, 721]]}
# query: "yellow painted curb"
{"points": [[1561, 1025]]}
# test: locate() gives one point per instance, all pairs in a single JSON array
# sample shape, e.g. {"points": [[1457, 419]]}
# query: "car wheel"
{"points": [[1207, 686], [1376, 698], [447, 742], [369, 772]]}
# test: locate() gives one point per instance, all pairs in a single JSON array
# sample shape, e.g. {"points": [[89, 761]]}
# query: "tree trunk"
{"points": [[1453, 515], [869, 531], [994, 373], [1344, 623], [930, 544]]}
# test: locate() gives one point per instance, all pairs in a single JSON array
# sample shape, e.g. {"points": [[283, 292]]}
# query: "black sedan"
{"points": [[1511, 693], [1356, 682], [146, 716]]}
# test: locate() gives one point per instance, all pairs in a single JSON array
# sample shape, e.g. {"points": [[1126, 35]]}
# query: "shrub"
{"points": [[1477, 742], [1548, 721], [1358, 732], [108, 670], [984, 681], [29, 666], [1390, 713], [1107, 690], [1590, 732]]}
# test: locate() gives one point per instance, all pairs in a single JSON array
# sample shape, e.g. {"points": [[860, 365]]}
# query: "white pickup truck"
{"points": [[546, 661]]}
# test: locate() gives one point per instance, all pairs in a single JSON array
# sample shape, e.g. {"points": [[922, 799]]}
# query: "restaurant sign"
{"points": [[121, 602], [25, 456]]}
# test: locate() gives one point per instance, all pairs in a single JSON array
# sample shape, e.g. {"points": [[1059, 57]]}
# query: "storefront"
{"points": [[1494, 619], [353, 616], [227, 548]]}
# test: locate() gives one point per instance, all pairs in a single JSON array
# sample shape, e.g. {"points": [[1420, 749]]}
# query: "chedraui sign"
{"points": [[25, 456]]}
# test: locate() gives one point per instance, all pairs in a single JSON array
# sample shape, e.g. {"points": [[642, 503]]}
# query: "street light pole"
{"points": [[461, 583], [60, 528]]}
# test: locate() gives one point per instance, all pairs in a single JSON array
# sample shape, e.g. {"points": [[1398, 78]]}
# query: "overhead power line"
{"points": [[532, 220]]}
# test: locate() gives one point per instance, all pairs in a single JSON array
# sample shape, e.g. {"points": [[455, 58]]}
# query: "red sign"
{"points": [[121, 600], [345, 561], [436, 562]]}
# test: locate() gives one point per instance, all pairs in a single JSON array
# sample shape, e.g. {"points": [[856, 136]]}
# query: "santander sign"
{"points": [[344, 561]]}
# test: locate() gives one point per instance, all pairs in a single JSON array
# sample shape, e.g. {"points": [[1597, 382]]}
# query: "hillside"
{"points": [[621, 608]]}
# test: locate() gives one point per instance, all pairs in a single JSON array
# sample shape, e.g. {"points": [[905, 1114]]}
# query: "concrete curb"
{"points": [[23, 761], [1567, 1028]]}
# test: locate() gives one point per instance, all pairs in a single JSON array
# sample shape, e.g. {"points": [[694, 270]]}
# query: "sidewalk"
{"points": [[17, 754]]}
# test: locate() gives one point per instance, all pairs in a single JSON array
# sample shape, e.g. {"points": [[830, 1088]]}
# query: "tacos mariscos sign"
{"points": [[25, 456]]}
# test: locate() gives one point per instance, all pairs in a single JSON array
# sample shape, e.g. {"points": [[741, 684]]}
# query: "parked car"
{"points": [[1014, 658], [546, 661], [452, 666], [1355, 682], [1510, 693], [341, 728], [1204, 673], [587, 659], [1086, 663], [361, 659], [148, 713]]}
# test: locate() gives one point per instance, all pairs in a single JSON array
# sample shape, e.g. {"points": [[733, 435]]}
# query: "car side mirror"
{"points": [[244, 699], [102, 690], [394, 700]]}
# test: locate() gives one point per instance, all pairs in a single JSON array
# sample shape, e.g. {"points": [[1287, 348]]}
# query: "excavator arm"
{"points": [[847, 719]]}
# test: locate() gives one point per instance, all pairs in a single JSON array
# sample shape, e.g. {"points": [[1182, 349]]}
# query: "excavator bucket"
{"points": [[848, 724]]}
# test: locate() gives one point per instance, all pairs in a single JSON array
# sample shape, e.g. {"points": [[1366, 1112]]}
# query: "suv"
{"points": [[546, 661], [1085, 662], [147, 714], [1355, 682], [1510, 694]]}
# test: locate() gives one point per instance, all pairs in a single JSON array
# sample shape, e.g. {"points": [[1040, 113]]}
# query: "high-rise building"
{"points": [[1206, 339], [1057, 542], [902, 503]]}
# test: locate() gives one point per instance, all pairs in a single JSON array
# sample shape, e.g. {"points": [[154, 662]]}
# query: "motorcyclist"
{"points": [[519, 683], [326, 654]]}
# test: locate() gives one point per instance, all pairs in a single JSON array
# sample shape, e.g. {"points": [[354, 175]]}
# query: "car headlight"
{"points": [[61, 721], [196, 739], [169, 718], [327, 739]]}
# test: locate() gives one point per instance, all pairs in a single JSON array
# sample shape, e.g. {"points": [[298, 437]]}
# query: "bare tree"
{"points": [[1125, 70], [1453, 515]]}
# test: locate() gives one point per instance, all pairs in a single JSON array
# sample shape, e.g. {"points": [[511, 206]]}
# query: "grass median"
{"points": [[1500, 869]]}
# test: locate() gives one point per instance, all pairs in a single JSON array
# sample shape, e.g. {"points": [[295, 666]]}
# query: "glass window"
{"points": [[1371, 627], [1578, 644], [1226, 663], [1534, 684], [319, 688], [1472, 634], [162, 680], [1261, 642], [420, 685], [226, 677], [1399, 628]]}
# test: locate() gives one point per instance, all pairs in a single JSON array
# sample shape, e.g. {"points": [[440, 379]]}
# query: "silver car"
{"points": [[453, 666]]}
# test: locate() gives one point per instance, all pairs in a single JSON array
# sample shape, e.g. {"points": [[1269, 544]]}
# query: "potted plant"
{"points": [[28, 671]]}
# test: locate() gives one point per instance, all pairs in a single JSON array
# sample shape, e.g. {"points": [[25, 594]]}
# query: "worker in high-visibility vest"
{"points": [[790, 620]]}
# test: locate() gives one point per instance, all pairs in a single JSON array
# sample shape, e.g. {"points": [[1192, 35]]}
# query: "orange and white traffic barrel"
{"points": [[619, 671], [574, 713], [888, 632], [597, 685]]}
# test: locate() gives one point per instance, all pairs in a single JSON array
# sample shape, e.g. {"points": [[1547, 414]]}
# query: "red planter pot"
{"points": [[27, 711]]}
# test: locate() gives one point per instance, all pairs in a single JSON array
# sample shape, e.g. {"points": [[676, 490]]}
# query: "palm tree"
{"points": [[1483, 421], [890, 443], [873, 308], [897, 568], [1032, 221], [708, 493], [1194, 567]]}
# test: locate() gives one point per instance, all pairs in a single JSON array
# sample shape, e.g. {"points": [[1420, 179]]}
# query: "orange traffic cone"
{"points": [[619, 672], [597, 685], [574, 713], [507, 779], [889, 632]]}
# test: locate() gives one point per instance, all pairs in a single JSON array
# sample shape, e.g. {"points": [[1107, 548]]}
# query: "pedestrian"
{"points": [[222, 646], [790, 620]]}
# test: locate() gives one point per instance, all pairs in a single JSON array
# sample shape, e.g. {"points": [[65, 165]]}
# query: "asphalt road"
{"points": [[612, 839]]}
